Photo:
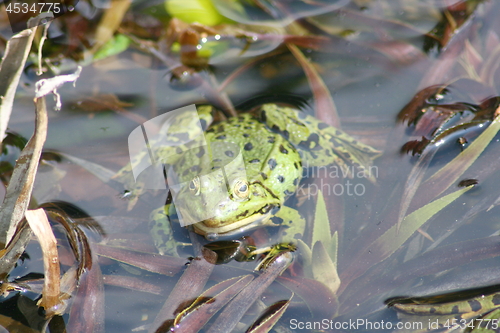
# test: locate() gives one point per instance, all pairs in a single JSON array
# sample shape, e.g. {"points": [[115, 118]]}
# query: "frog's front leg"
{"points": [[292, 224], [160, 228], [318, 143], [292, 228]]}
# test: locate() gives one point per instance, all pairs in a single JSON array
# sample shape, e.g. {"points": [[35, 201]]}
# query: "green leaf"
{"points": [[115, 45], [324, 269], [391, 240], [306, 254], [321, 226], [332, 247], [201, 11], [447, 175]]}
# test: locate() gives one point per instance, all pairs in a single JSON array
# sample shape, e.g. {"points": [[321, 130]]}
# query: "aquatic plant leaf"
{"points": [[447, 175], [306, 254], [448, 57], [452, 171], [413, 182], [74, 214], [209, 303], [11, 325], [200, 11], [486, 324], [97, 170], [359, 21], [391, 240], [461, 306], [489, 68], [323, 101], [270, 317], [132, 283], [11, 68], [321, 225], [148, 261], [445, 258], [88, 308], [275, 15], [412, 112], [239, 305], [324, 269], [51, 294], [114, 46], [189, 286], [77, 239], [48, 183], [332, 247], [318, 298], [445, 305]]}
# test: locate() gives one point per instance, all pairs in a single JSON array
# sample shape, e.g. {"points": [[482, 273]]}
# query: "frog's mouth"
{"points": [[258, 219]]}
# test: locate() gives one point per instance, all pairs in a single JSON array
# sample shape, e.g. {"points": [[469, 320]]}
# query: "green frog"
{"points": [[238, 175]]}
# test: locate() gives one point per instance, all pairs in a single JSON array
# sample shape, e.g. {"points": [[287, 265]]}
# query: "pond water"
{"points": [[432, 64]]}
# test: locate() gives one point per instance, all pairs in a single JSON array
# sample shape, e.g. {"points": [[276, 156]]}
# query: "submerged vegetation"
{"points": [[408, 243]]}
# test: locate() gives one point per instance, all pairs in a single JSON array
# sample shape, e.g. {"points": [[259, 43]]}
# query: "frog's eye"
{"points": [[194, 185], [241, 189]]}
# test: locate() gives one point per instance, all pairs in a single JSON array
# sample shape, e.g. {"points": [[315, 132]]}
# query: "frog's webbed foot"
{"points": [[318, 143]]}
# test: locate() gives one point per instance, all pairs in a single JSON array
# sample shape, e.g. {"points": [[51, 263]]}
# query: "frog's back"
{"points": [[269, 158]]}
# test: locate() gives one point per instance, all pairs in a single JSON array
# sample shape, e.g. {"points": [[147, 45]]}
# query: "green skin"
{"points": [[225, 194]]}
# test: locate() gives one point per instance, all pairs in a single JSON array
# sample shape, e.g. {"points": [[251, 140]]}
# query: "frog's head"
{"points": [[221, 206]]}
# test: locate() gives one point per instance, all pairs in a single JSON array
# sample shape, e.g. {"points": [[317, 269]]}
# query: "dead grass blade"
{"points": [[110, 22], [13, 250], [11, 68], [21, 183], [51, 295], [324, 105]]}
